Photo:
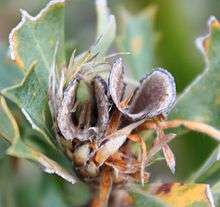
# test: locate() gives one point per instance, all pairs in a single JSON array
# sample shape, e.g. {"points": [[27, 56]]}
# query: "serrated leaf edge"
{"points": [[199, 43], [25, 16]]}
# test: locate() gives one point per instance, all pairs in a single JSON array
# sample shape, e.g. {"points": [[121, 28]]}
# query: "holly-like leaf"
{"points": [[106, 28], [184, 195], [138, 38], [20, 149], [32, 100], [35, 39], [200, 100]]}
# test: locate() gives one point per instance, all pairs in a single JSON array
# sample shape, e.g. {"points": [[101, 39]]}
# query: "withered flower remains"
{"points": [[97, 132]]}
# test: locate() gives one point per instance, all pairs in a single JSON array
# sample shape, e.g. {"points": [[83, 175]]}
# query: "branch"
{"points": [[192, 125]]}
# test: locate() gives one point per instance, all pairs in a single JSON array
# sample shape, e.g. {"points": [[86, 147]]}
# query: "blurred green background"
{"points": [[178, 23]]}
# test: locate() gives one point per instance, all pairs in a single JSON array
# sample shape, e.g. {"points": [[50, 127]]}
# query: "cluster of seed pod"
{"points": [[97, 131]]}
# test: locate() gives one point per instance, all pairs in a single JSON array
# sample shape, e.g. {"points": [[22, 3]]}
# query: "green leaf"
{"points": [[106, 28], [200, 100], [32, 100], [78, 194], [184, 195], [3, 147], [173, 195], [141, 198], [34, 40], [204, 171], [138, 38], [8, 126], [9, 73], [19, 149], [52, 196]]}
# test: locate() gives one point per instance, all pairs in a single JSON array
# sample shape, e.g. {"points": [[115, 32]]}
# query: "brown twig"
{"points": [[192, 125], [101, 199]]}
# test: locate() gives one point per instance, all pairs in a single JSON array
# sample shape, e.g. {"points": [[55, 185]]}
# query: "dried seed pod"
{"points": [[155, 95], [102, 104], [64, 118]]}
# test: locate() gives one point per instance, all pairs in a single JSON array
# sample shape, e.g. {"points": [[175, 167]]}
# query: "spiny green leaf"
{"points": [[35, 39], [32, 100], [19, 149], [200, 100], [106, 28], [138, 38]]}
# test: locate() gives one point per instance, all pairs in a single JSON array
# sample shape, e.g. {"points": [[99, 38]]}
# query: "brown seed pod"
{"points": [[64, 118], [102, 104], [155, 95]]}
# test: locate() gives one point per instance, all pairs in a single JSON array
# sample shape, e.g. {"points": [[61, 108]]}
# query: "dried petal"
{"points": [[102, 103], [155, 95]]}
